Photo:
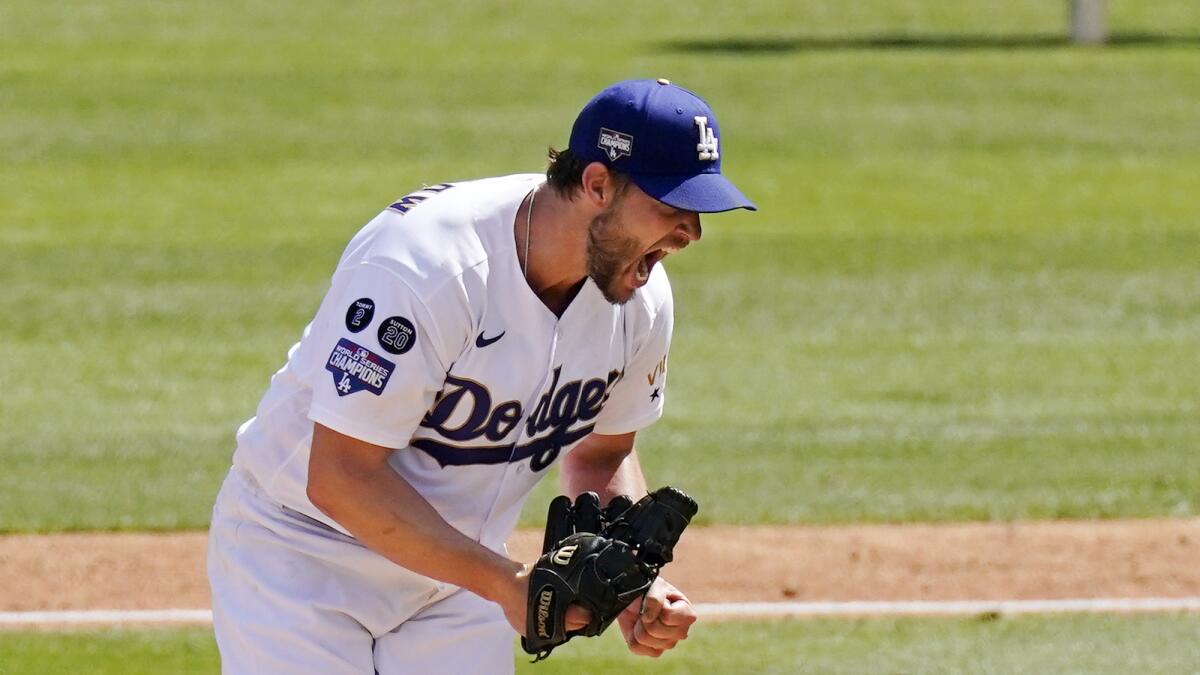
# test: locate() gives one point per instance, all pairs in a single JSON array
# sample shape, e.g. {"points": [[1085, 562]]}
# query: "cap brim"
{"points": [[702, 193]]}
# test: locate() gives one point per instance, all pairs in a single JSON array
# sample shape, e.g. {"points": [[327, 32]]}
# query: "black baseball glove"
{"points": [[601, 559]]}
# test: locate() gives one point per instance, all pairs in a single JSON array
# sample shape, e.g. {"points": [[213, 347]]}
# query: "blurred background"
{"points": [[971, 291]]}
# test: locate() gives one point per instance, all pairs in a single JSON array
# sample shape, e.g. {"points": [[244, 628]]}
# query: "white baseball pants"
{"points": [[290, 595]]}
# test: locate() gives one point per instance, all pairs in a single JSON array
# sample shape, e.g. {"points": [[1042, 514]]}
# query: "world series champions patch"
{"points": [[356, 368]]}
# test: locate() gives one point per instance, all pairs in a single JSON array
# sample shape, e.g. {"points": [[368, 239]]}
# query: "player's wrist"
{"points": [[503, 581], [507, 585]]}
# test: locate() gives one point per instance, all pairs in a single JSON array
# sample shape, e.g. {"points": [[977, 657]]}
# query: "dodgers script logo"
{"points": [[615, 143], [555, 416], [356, 368]]}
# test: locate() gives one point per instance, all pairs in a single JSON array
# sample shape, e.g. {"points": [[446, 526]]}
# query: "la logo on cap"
{"points": [[707, 147]]}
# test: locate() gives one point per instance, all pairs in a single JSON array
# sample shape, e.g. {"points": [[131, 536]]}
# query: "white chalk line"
{"points": [[714, 609], [947, 607]]}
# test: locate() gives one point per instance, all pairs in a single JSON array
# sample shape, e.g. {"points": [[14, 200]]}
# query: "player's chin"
{"points": [[617, 289]]}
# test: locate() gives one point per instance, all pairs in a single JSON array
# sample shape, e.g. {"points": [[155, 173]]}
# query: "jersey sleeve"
{"points": [[383, 356], [636, 400]]}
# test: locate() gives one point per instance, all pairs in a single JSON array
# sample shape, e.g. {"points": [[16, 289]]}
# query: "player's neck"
{"points": [[557, 245]]}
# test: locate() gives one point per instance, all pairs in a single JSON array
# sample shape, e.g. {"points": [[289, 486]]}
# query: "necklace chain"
{"points": [[528, 226]]}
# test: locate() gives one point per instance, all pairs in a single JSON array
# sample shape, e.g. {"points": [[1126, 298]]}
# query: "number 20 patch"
{"points": [[356, 368]]}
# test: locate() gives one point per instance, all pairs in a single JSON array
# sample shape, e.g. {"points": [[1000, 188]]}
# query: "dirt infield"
{"points": [[989, 561]]}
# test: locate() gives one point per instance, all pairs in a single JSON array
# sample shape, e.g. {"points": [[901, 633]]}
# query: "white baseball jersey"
{"points": [[431, 342]]}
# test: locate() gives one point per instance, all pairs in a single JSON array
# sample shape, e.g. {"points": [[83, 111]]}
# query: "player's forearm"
{"points": [[604, 474], [387, 515]]}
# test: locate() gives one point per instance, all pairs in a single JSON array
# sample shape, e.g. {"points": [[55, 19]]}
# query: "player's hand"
{"points": [[577, 617], [659, 623], [515, 603]]}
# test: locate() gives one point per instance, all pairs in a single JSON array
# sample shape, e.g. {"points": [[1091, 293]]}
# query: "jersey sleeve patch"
{"points": [[356, 368], [397, 335], [359, 314]]}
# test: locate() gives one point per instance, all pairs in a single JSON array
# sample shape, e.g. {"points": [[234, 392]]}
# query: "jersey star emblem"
{"points": [[654, 394]]}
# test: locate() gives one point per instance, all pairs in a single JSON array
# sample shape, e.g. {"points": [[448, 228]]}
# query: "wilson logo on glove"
{"points": [[544, 610], [563, 555]]}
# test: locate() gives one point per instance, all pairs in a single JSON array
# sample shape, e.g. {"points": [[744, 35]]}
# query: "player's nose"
{"points": [[689, 228]]}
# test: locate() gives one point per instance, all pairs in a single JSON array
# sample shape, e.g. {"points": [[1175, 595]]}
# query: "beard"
{"points": [[610, 252]]}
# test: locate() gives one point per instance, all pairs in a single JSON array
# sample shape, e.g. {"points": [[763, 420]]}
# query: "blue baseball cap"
{"points": [[665, 138]]}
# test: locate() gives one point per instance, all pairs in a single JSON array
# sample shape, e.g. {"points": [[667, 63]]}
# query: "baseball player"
{"points": [[474, 334]]}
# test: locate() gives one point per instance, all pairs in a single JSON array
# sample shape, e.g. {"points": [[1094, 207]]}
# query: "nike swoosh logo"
{"points": [[482, 342]]}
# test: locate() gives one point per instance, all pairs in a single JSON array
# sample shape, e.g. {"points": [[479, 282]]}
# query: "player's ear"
{"points": [[599, 188]]}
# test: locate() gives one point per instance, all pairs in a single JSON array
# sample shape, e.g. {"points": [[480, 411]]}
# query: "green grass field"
{"points": [[971, 292], [1095, 645]]}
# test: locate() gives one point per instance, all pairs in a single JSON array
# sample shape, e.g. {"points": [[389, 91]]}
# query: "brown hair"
{"points": [[565, 173]]}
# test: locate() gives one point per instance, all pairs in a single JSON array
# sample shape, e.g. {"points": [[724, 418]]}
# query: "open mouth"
{"points": [[646, 263]]}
